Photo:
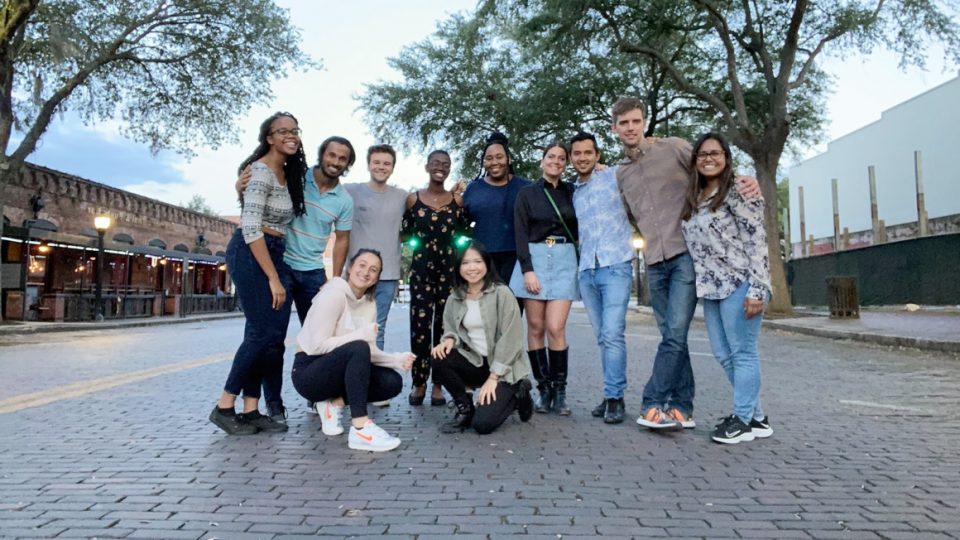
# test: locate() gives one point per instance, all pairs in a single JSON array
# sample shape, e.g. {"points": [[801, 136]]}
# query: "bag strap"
{"points": [[562, 221]]}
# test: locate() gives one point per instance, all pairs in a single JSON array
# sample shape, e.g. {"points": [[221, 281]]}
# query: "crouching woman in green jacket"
{"points": [[482, 345]]}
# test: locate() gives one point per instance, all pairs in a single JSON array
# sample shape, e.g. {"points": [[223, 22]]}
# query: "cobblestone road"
{"points": [[865, 446]]}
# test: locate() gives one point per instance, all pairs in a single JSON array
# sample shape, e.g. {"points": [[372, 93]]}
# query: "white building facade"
{"points": [[929, 123]]}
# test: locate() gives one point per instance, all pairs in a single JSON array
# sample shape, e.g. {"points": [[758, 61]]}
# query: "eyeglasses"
{"points": [[284, 132], [713, 154]]}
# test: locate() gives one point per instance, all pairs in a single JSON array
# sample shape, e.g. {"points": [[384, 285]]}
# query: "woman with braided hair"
{"points": [[255, 261]]}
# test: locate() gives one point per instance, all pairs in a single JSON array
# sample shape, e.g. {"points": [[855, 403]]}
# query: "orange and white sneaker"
{"points": [[678, 416], [371, 438], [654, 418], [329, 418]]}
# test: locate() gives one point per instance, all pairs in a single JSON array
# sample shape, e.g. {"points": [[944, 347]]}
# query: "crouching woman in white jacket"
{"points": [[338, 362]]}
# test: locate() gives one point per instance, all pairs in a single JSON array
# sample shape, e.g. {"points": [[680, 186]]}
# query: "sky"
{"points": [[354, 40]]}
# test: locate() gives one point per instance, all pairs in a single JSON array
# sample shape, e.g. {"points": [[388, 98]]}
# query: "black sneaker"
{"points": [[599, 410], [263, 423], [614, 411], [761, 428], [277, 412], [231, 423], [524, 400], [732, 431]]}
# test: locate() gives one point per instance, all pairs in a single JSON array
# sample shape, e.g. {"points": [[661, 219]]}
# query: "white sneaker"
{"points": [[384, 403], [371, 438], [329, 418]]}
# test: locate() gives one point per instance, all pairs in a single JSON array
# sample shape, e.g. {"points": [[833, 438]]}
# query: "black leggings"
{"points": [[455, 373], [345, 372]]}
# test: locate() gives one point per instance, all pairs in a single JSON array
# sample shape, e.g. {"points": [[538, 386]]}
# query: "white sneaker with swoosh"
{"points": [[371, 438], [329, 418]]}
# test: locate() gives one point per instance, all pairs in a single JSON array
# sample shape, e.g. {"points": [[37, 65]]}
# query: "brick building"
{"points": [[160, 259]]}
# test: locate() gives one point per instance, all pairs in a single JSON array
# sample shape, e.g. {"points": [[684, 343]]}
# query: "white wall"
{"points": [[929, 122]]}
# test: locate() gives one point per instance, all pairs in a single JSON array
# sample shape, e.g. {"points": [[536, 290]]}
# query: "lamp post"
{"points": [[101, 223], [638, 244]]}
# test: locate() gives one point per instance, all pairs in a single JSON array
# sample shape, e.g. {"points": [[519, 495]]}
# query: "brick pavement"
{"points": [[864, 447]]}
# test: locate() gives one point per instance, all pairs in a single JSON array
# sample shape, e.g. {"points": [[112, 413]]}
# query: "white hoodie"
{"points": [[337, 317]]}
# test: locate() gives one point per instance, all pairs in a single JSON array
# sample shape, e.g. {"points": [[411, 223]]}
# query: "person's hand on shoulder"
{"points": [[243, 180], [749, 187]]}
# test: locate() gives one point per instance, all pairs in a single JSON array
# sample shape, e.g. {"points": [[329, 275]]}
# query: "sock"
{"points": [[227, 411]]}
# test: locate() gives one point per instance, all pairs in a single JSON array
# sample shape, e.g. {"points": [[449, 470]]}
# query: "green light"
{"points": [[413, 242], [461, 241]]}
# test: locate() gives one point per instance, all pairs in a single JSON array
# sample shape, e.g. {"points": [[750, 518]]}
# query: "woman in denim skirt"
{"points": [[545, 276], [255, 261]]}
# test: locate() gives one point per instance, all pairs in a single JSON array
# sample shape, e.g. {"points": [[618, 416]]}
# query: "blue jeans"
{"points": [[384, 294], [306, 285], [606, 294], [260, 356], [673, 296], [733, 339]]}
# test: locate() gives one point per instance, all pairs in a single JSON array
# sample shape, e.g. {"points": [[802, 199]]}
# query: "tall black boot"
{"points": [[558, 376], [463, 417], [540, 365]]}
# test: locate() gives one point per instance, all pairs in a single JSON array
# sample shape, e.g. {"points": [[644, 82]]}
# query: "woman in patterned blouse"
{"points": [[726, 239]]}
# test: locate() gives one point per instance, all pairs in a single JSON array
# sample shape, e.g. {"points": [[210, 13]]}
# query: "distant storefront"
{"points": [[158, 259]]}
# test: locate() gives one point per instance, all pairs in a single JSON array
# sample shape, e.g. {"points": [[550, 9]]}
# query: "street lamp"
{"points": [[638, 244], [101, 224]]}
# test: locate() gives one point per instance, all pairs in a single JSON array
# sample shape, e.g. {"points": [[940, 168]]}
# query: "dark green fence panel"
{"points": [[923, 271]]}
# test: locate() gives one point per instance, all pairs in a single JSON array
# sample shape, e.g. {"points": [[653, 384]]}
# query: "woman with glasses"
{"points": [[545, 276], [725, 235], [433, 221], [255, 261]]}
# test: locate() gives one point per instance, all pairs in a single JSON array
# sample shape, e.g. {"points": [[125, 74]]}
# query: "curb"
{"points": [[44, 328], [923, 344]]}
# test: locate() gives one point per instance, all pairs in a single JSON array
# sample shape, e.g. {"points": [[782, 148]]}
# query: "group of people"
{"points": [[485, 254]]}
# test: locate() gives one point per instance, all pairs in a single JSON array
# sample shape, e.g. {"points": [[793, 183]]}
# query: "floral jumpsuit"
{"points": [[431, 275]]}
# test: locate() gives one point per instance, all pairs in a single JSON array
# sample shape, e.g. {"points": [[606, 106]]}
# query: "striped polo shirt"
{"points": [[308, 234]]}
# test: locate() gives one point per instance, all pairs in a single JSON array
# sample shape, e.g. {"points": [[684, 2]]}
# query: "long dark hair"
{"points": [[293, 168], [372, 288], [698, 182], [491, 277]]}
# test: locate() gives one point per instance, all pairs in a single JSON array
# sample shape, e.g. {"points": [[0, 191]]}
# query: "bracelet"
{"points": [[493, 377]]}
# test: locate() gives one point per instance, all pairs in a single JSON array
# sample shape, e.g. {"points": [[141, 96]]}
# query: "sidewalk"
{"points": [[926, 330], [9, 328]]}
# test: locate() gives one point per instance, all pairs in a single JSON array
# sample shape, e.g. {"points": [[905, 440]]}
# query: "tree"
{"points": [[175, 72], [199, 204], [753, 64], [480, 74]]}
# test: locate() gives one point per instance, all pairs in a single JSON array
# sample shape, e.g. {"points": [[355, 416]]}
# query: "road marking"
{"points": [[82, 388], [885, 406]]}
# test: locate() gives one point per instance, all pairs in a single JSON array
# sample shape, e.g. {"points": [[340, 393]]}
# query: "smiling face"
{"points": [[553, 162], [711, 159], [438, 167], [364, 272], [335, 160], [472, 267], [629, 127], [284, 135], [380, 166], [495, 162], [584, 157]]}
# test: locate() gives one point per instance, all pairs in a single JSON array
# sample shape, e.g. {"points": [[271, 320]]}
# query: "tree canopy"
{"points": [[174, 72], [749, 70]]}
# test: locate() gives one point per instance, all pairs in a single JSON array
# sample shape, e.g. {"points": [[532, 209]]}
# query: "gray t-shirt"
{"points": [[376, 224]]}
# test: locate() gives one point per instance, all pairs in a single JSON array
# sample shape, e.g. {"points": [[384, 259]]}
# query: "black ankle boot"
{"points": [[463, 417], [540, 366], [558, 376]]}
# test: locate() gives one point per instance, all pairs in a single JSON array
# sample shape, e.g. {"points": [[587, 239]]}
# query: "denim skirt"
{"points": [[556, 268]]}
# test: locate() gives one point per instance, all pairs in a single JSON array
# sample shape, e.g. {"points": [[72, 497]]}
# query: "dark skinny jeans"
{"points": [[259, 360], [456, 373], [345, 372]]}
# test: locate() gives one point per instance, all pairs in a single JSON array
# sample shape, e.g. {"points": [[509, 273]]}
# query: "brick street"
{"points": [[864, 447]]}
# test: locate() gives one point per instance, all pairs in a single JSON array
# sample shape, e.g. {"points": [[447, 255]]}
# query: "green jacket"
{"points": [[501, 320]]}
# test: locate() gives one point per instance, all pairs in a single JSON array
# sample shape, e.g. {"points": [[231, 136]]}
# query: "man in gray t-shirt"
{"points": [[377, 213]]}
